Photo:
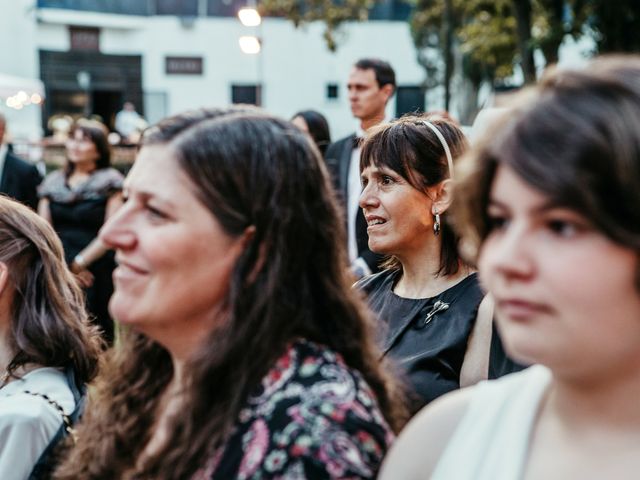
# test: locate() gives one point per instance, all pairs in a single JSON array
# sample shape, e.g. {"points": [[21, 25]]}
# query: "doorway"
{"points": [[106, 103], [109, 80]]}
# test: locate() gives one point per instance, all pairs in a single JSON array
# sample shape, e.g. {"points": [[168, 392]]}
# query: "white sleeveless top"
{"points": [[492, 439], [27, 422]]}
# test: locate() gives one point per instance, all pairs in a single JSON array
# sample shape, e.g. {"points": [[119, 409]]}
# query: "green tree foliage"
{"points": [[490, 36], [495, 35], [332, 13], [550, 27], [614, 23], [485, 33]]}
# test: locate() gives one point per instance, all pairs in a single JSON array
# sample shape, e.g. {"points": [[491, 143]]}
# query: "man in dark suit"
{"points": [[18, 179], [372, 83]]}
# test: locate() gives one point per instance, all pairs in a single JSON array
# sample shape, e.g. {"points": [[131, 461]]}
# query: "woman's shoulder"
{"points": [[317, 380], [27, 413], [29, 419], [52, 182], [313, 408], [101, 184], [468, 286], [27, 425], [376, 281], [434, 425], [55, 175], [458, 422], [32, 387], [107, 178], [110, 172], [465, 296]]}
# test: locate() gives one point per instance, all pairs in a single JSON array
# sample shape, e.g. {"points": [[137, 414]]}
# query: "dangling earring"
{"points": [[436, 223]]}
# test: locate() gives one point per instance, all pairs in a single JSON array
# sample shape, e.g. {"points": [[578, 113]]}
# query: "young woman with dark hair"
{"points": [[316, 125], [426, 297], [48, 350], [245, 354], [551, 200], [76, 200]]}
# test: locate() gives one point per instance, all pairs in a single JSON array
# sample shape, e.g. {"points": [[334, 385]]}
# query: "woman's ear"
{"points": [[4, 277], [247, 236], [6, 294], [442, 196]]}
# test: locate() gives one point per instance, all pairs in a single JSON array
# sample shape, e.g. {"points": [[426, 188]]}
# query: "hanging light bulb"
{"points": [[249, 16], [249, 44]]}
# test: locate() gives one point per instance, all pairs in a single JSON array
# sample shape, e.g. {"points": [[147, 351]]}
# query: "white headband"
{"points": [[444, 145]]}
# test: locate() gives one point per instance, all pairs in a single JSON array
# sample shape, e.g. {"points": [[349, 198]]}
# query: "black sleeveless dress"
{"points": [[77, 214], [426, 339]]}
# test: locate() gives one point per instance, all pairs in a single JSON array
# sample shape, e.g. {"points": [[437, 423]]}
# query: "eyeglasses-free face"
{"points": [[565, 293]]}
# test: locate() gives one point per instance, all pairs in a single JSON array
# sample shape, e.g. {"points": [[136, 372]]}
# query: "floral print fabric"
{"points": [[313, 417]]}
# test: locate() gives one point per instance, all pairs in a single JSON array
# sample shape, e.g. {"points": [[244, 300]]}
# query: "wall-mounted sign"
{"points": [[85, 38], [183, 65]]}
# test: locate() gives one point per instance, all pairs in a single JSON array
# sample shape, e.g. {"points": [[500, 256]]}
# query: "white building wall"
{"points": [[17, 33], [294, 65], [19, 58]]}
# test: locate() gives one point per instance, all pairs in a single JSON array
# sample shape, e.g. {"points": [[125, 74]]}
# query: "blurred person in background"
{"points": [[18, 179], [426, 297], [246, 354], [551, 199], [499, 364], [129, 123], [48, 350], [76, 200], [315, 124]]}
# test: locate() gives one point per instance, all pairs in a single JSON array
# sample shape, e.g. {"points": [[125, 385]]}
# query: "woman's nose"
{"points": [[368, 197], [117, 232], [509, 253]]}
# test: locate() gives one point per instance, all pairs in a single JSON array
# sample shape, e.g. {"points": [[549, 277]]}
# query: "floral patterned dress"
{"points": [[313, 417]]}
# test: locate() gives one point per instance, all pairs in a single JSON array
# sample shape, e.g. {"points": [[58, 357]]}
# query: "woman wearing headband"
{"points": [[426, 298], [551, 199]]}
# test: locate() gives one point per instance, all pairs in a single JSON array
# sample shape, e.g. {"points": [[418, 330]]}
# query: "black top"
{"points": [[425, 338], [20, 180], [500, 364], [77, 214]]}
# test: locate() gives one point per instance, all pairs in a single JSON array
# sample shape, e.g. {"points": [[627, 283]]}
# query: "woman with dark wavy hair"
{"points": [[245, 352], [76, 200], [48, 350], [551, 201]]}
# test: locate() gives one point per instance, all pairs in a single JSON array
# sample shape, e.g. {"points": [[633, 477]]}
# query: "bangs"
{"points": [[564, 146], [388, 146]]}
